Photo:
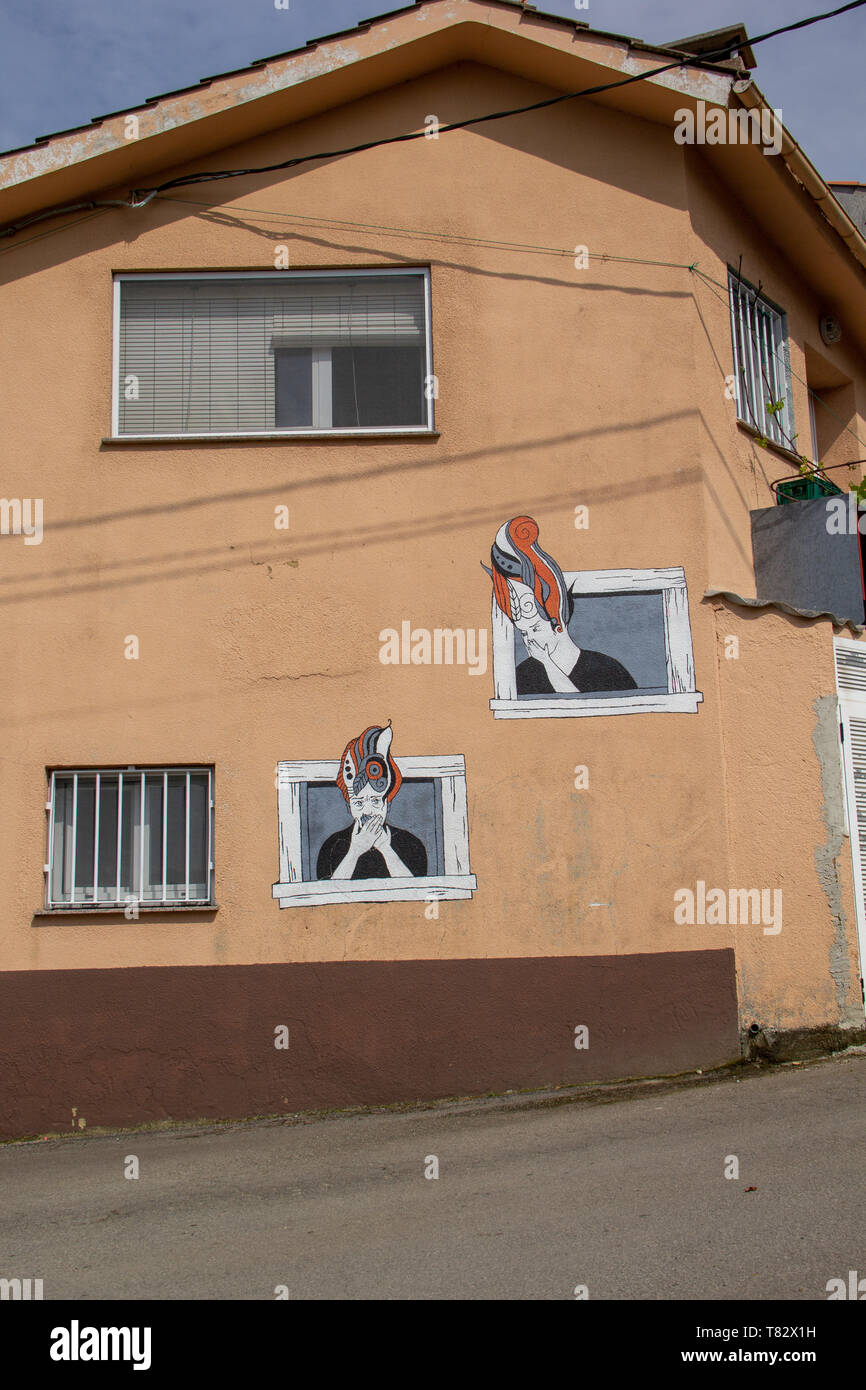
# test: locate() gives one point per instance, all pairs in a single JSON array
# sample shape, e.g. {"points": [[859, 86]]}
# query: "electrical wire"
{"points": [[141, 197], [783, 363], [500, 245], [4, 250], [422, 234], [497, 245], [693, 267], [184, 180]]}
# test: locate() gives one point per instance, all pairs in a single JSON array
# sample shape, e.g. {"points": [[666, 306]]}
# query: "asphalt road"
{"points": [[628, 1198]]}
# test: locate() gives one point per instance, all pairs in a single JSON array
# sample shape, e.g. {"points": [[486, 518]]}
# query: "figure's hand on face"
{"points": [[537, 641], [366, 834], [531, 622], [537, 636]]}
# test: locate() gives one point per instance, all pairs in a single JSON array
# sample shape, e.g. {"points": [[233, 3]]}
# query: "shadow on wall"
{"points": [[21, 588]]}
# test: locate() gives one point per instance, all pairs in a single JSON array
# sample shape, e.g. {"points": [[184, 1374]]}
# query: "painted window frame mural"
{"points": [[456, 881], [681, 696]]}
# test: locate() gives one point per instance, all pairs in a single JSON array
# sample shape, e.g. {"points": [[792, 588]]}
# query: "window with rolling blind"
{"points": [[272, 353], [762, 371]]}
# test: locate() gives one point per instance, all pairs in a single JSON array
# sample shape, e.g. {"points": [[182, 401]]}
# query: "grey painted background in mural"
{"points": [[416, 807], [629, 627]]}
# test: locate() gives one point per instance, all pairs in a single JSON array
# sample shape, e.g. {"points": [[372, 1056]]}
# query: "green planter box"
{"points": [[805, 489]]}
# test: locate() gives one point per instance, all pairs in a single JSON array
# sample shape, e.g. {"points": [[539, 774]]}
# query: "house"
{"points": [[405, 694]]}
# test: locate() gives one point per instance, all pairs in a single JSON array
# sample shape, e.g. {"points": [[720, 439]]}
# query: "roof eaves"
{"points": [[735, 34], [124, 111], [364, 26], [255, 65], [693, 60], [361, 28], [803, 171]]}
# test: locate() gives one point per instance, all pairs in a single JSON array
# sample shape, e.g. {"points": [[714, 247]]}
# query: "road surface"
{"points": [[627, 1198]]}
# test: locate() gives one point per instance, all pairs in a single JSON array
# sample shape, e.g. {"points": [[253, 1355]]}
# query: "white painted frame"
{"points": [[456, 882], [323, 409], [325, 406], [681, 697]]}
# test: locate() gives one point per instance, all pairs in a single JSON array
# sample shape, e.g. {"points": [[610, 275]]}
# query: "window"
{"points": [[272, 352], [142, 836], [640, 618], [432, 806], [762, 369], [832, 411]]}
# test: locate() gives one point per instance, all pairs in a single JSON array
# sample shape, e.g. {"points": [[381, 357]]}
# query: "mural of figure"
{"points": [[368, 848], [530, 589]]}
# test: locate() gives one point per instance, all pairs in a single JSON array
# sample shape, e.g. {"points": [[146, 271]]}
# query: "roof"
{"points": [[734, 36], [696, 47], [188, 128]]}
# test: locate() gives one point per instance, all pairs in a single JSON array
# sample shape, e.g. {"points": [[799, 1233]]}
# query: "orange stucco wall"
{"points": [[557, 387]]}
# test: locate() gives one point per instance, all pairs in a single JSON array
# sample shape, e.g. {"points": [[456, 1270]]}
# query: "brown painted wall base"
{"points": [[126, 1047]]}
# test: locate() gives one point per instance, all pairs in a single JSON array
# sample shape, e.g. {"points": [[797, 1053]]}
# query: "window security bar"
{"points": [[142, 836], [761, 369]]}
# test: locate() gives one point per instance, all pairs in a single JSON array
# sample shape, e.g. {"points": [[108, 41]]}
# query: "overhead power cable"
{"points": [[784, 364], [140, 197], [184, 180], [423, 234]]}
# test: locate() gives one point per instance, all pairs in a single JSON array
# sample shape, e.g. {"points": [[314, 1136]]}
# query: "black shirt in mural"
{"points": [[591, 671], [371, 863]]}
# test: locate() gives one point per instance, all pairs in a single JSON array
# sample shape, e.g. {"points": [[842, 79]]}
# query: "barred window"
{"points": [[762, 370], [142, 836]]}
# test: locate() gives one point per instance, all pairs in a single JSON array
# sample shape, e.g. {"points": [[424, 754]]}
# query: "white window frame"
{"points": [[323, 409], [141, 846], [456, 881], [681, 697], [322, 357], [761, 356]]}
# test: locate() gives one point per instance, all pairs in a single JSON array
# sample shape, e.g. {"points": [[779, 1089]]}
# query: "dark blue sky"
{"points": [[63, 62]]}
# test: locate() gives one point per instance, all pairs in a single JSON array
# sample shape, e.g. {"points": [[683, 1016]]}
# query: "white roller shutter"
{"points": [[851, 685]]}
